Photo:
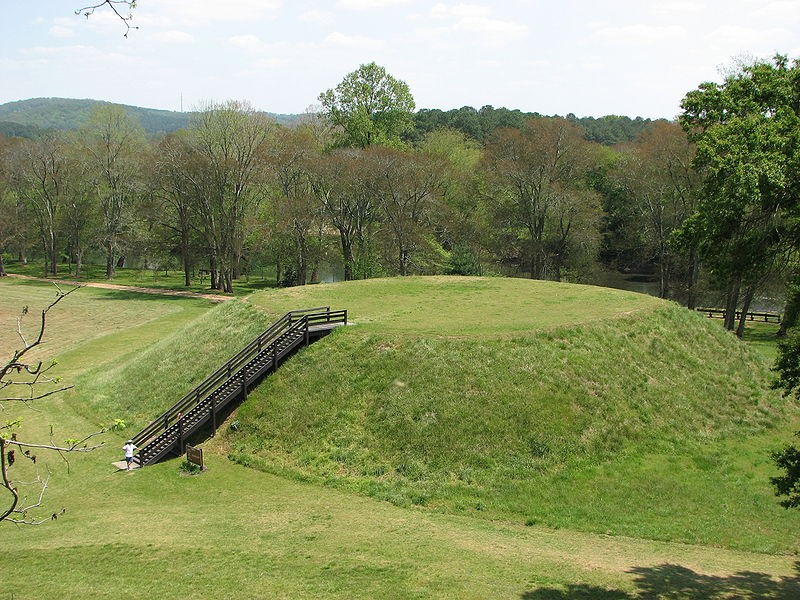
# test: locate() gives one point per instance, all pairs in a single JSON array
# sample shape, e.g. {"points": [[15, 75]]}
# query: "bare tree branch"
{"points": [[15, 363], [23, 511], [88, 11], [33, 375], [33, 397], [73, 446]]}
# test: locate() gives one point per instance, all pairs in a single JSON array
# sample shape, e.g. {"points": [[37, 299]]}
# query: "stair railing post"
{"points": [[180, 434], [213, 416], [306, 332], [274, 355]]}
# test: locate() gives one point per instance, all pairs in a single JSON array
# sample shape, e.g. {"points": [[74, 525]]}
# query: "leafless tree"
{"points": [[25, 380]]}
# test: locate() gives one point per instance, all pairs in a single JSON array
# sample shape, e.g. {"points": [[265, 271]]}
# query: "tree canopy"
{"points": [[746, 132], [370, 107]]}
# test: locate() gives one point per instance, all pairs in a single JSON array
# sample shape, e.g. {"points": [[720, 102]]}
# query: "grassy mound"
{"points": [[548, 403], [240, 532]]}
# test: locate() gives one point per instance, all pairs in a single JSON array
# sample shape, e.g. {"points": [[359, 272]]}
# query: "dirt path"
{"points": [[129, 288]]}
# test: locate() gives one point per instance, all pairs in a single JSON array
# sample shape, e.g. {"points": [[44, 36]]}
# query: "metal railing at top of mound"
{"points": [[295, 320]]}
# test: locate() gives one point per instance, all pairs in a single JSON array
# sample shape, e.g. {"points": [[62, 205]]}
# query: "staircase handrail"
{"points": [[291, 321]]}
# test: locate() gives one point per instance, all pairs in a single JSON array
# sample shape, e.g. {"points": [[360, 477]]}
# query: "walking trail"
{"points": [[130, 288]]}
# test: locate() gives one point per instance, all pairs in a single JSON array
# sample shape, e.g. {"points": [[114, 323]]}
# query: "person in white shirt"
{"points": [[129, 449]]}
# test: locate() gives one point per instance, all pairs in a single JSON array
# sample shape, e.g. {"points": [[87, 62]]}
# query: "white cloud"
{"points": [[61, 32], [270, 63], [172, 37], [320, 17], [492, 28], [200, 12], [77, 50], [474, 24], [351, 41], [734, 38], [677, 7], [248, 41], [367, 4], [640, 34], [780, 12], [460, 11]]}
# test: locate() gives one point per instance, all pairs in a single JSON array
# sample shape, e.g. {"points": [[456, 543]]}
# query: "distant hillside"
{"points": [[27, 118], [69, 113], [480, 123], [11, 129]]}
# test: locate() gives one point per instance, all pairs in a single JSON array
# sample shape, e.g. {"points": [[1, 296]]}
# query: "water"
{"points": [[631, 282]]}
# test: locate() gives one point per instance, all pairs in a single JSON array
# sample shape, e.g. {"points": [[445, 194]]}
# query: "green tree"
{"points": [[11, 220], [176, 181], [341, 183], [114, 144], [43, 171], [656, 175], [544, 213], [227, 143], [787, 459], [296, 213], [369, 107], [747, 133], [460, 222], [408, 187], [80, 218]]}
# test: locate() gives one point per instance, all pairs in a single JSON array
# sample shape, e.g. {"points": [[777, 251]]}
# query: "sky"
{"points": [[590, 58]]}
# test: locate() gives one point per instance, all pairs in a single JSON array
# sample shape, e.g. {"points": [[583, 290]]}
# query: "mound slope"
{"points": [[140, 388], [549, 403]]}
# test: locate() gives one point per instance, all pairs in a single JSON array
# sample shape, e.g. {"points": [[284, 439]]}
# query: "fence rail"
{"points": [[719, 313]]}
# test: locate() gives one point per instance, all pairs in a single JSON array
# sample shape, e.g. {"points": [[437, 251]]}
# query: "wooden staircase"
{"points": [[167, 434]]}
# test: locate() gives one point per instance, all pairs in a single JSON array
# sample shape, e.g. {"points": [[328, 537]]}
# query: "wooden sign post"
{"points": [[195, 456]]}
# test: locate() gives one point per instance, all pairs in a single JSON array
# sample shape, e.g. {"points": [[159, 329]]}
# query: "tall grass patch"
{"points": [[139, 389]]}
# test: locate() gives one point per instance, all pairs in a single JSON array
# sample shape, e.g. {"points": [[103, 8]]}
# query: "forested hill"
{"points": [[607, 130], [27, 118], [39, 114], [68, 113]]}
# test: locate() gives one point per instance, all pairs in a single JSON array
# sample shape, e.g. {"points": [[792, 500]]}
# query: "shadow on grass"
{"points": [[240, 288], [676, 582], [103, 294], [116, 294], [765, 333]]}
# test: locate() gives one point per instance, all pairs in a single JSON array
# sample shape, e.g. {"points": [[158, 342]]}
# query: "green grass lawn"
{"points": [[762, 337], [87, 314], [459, 306], [235, 532]]}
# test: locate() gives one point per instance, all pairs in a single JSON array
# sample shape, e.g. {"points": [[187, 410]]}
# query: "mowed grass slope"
{"points": [[240, 533], [161, 374], [570, 406]]}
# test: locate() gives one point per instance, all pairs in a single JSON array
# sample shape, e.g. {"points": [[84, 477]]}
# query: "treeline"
{"points": [[37, 116], [480, 124], [235, 190], [526, 195]]}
